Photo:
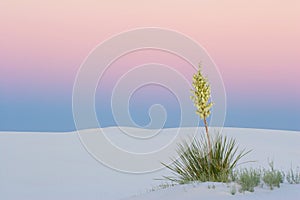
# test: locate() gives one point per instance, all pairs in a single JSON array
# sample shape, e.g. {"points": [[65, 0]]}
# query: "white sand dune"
{"points": [[37, 166], [221, 191]]}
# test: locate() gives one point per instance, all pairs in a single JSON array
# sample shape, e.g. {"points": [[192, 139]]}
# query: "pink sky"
{"points": [[255, 44], [256, 41]]}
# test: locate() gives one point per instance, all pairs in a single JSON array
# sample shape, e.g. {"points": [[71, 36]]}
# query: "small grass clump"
{"points": [[248, 179], [211, 186], [233, 189], [293, 176], [199, 162], [161, 187], [272, 177]]}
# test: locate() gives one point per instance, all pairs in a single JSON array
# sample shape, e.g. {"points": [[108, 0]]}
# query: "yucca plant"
{"points": [[195, 164], [204, 159], [202, 99]]}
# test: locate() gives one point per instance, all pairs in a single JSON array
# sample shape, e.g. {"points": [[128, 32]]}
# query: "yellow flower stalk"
{"points": [[202, 99]]}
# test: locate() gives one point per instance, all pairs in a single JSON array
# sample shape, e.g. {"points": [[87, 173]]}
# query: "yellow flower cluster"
{"points": [[201, 95]]}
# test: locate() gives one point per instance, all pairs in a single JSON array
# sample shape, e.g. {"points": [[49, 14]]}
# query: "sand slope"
{"points": [[56, 166]]}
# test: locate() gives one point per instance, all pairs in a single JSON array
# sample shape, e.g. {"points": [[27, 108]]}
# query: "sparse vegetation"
{"points": [[244, 179], [272, 177], [248, 179], [214, 159], [293, 176], [161, 186]]}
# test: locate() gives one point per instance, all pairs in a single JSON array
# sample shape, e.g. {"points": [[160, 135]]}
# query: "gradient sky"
{"points": [[255, 44]]}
